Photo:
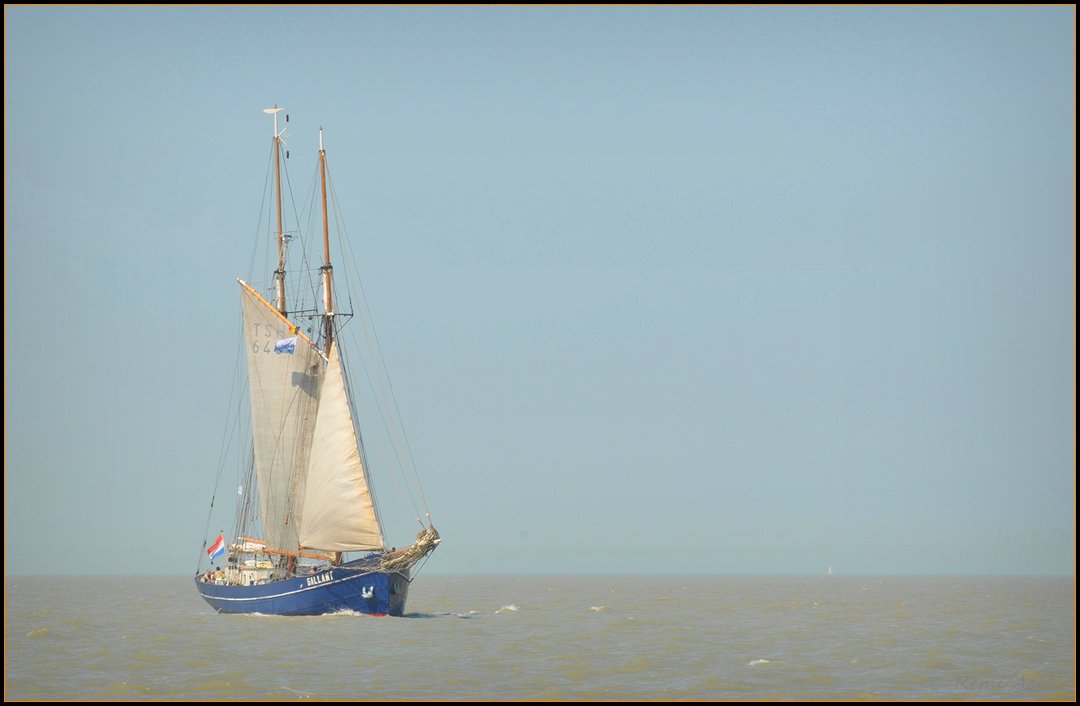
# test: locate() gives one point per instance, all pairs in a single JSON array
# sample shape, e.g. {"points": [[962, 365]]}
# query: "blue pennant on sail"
{"points": [[286, 345]]}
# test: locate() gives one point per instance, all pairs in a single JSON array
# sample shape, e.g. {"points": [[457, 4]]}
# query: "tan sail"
{"points": [[284, 403], [339, 512]]}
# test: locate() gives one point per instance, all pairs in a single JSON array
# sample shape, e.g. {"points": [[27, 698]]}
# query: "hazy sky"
{"points": [[696, 289]]}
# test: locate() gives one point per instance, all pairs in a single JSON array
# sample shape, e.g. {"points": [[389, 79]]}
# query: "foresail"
{"points": [[285, 373], [339, 513]]}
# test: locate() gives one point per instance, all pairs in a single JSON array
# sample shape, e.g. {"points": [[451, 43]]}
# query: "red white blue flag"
{"points": [[217, 548]]}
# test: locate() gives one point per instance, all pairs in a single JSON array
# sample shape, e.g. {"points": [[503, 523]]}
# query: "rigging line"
{"points": [[226, 435], [305, 263], [236, 431], [365, 467], [240, 386], [243, 471], [258, 227], [249, 508], [393, 396], [396, 478], [246, 457], [417, 568], [387, 458], [379, 396], [382, 385], [400, 479], [362, 446], [240, 515], [312, 227], [383, 401]]}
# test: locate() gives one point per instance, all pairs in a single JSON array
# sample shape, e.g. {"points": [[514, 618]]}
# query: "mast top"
{"points": [[274, 111]]}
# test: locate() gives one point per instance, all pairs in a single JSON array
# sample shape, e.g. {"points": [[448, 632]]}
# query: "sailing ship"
{"points": [[308, 538]]}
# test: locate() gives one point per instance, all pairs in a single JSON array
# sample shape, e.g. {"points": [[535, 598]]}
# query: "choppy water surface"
{"points": [[566, 638]]}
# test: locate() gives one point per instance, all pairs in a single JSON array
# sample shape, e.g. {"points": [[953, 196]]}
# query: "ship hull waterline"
{"points": [[337, 589]]}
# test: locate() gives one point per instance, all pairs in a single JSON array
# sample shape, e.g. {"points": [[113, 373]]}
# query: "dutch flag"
{"points": [[217, 548]]}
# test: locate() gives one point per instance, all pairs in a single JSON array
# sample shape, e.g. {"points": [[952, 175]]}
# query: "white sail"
{"points": [[339, 512], [284, 402]]}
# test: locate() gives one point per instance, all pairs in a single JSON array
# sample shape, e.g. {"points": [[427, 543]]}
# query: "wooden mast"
{"points": [[279, 273], [327, 269]]}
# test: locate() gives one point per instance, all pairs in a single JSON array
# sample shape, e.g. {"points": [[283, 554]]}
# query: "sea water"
{"points": [[555, 638]]}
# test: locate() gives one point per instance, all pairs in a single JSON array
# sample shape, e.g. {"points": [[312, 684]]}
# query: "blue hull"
{"points": [[348, 587]]}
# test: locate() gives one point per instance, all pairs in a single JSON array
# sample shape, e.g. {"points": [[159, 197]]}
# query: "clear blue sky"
{"points": [[696, 289]]}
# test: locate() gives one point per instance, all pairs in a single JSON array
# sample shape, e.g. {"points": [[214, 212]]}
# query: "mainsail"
{"points": [[284, 403], [339, 514]]}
